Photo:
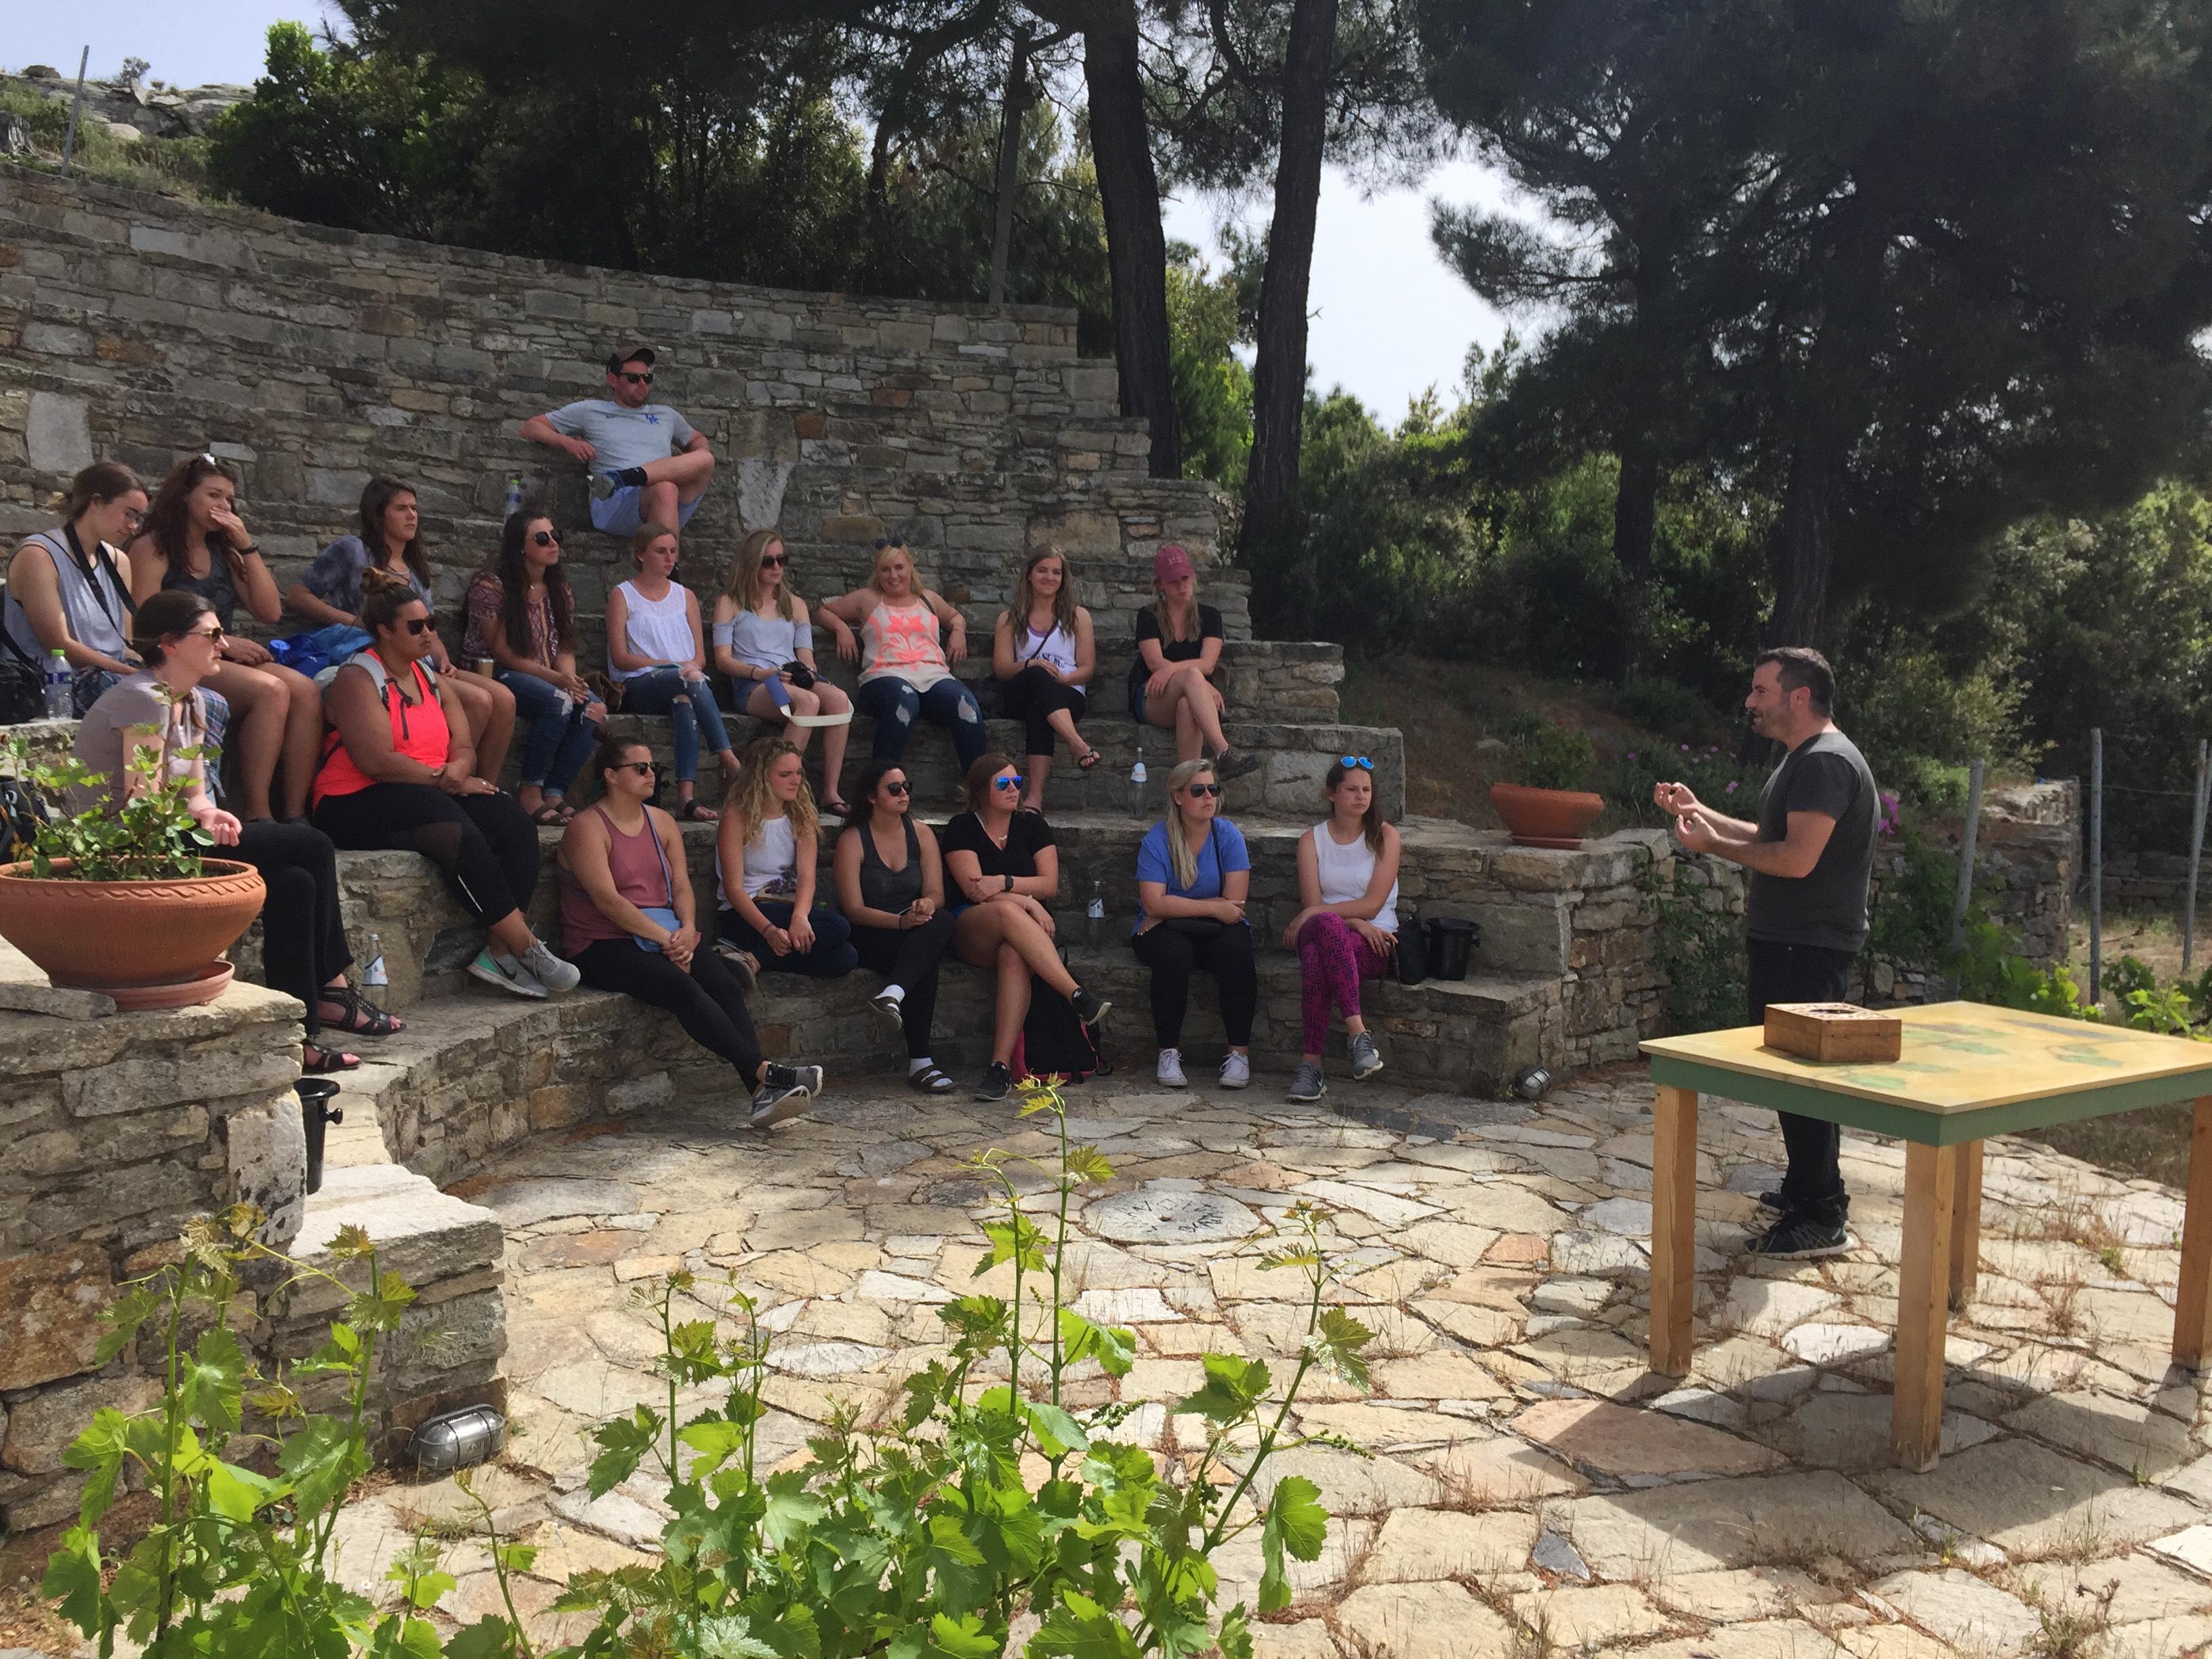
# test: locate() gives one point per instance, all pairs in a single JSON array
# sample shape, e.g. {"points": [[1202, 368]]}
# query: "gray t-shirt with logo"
{"points": [[622, 437], [1827, 908]]}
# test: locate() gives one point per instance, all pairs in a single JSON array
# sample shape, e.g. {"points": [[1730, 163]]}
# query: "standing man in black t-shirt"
{"points": [[1811, 858]]}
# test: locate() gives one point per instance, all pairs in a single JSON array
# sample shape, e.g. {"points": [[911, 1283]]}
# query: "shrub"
{"points": [[1715, 776], [1543, 754]]}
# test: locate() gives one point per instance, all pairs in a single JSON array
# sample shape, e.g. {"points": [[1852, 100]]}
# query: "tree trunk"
{"points": [[1805, 548], [1635, 514], [1136, 244], [1010, 159], [1273, 534]]}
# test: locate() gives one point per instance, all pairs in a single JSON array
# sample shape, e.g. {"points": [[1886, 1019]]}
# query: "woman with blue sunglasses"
{"points": [[1346, 927]]}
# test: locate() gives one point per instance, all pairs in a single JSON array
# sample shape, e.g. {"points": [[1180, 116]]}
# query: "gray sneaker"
{"points": [[786, 1093], [1365, 1062], [1234, 763], [1306, 1082], [520, 980], [550, 970]]}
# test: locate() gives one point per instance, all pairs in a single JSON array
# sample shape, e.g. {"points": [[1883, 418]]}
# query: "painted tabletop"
{"points": [[1959, 1059]]}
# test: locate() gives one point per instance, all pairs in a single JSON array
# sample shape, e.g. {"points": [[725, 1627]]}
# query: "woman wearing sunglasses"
{"points": [[1194, 875], [890, 882], [1346, 926], [767, 853], [627, 921], [159, 714], [522, 615], [764, 641], [1005, 866], [397, 775]]}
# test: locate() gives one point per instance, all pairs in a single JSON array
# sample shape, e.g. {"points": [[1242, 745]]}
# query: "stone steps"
{"points": [[478, 1069]]}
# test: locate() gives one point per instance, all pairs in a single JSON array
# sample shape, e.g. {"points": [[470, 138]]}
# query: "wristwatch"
{"points": [[1009, 884]]}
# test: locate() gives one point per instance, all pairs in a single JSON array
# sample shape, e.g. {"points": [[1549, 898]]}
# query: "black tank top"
{"points": [[883, 888], [216, 587]]}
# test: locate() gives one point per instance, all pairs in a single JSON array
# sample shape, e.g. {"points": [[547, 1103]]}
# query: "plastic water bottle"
{"points": [[374, 977], [1137, 782], [514, 494], [1094, 918], [58, 686]]}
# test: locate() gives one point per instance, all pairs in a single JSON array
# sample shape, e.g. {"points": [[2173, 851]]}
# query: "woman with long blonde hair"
{"points": [[766, 853], [1171, 682], [1194, 877], [909, 639], [1043, 650], [763, 637]]}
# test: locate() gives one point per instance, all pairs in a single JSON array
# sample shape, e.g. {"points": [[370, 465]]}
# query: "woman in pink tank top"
{"points": [[629, 922], [905, 670]]}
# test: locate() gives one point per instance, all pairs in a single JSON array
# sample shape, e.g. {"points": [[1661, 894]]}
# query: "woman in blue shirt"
{"points": [[1192, 878]]}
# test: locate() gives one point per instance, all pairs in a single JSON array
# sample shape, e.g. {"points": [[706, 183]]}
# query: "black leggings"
{"points": [[909, 957], [303, 942], [486, 844], [1033, 694], [708, 1001], [1174, 947]]}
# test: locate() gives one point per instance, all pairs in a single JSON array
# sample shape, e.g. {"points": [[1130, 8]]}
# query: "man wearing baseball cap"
{"points": [[647, 464]]}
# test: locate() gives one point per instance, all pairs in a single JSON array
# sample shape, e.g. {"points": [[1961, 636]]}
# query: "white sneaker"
{"points": [[1171, 1072], [550, 970], [521, 981], [1236, 1071]]}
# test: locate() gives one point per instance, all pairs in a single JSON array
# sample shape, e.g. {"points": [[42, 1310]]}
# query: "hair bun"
{"points": [[376, 580]]}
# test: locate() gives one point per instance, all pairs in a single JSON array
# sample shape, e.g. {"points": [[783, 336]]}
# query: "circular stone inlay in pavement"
{"points": [[1149, 1216]]}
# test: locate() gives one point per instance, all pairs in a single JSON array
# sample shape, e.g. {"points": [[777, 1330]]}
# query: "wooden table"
{"points": [[1966, 1072]]}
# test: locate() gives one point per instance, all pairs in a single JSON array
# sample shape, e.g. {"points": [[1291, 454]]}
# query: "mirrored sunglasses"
{"points": [[1013, 782], [1359, 760]]}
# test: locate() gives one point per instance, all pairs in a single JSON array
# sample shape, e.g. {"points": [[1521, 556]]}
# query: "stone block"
{"points": [[40, 1428], [58, 438], [422, 1234], [142, 1085], [50, 1308], [1520, 939]]}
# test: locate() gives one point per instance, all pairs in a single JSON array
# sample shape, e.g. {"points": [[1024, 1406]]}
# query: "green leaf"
{"points": [[101, 1449], [625, 1442], [729, 1636], [1086, 1164], [487, 1638], [963, 1639], [236, 1493], [716, 1441], [946, 1535], [1114, 1346], [1078, 1628], [73, 1579], [514, 1557], [1016, 1238], [1056, 1431], [211, 1383], [323, 1459], [1335, 1343], [791, 1510], [1234, 1385], [1295, 1521], [1236, 1635]]}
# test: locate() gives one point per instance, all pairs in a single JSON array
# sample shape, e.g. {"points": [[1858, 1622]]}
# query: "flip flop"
{"points": [[552, 812], [1089, 758]]}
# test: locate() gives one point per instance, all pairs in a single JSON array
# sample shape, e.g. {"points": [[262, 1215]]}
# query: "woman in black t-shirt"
{"points": [[1171, 683], [1003, 866]]}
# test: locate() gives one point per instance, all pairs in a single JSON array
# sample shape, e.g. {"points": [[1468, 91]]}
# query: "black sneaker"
{"points": [[1089, 1009], [998, 1081], [1772, 1201], [1801, 1237]]}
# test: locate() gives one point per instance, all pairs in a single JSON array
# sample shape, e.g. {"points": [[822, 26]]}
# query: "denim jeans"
{"points": [[892, 704], [559, 740], [690, 704]]}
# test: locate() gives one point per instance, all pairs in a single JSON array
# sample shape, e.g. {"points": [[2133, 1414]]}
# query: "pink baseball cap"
{"points": [[1170, 564]]}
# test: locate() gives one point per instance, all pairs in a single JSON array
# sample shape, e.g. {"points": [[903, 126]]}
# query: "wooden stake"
{"points": [[2195, 852], [1931, 1192], [2094, 992], [1674, 1227]]}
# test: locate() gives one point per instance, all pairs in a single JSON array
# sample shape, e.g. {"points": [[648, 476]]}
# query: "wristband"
{"points": [[1009, 884]]}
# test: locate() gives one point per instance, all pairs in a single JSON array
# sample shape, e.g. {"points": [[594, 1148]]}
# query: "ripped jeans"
{"points": [[892, 704]]}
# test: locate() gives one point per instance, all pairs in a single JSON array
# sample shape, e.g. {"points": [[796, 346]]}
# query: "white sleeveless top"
{"points": [[773, 856], [659, 628], [1056, 649], [1345, 872]]}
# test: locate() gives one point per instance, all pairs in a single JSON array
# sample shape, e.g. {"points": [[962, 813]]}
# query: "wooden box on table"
{"points": [[1833, 1031]]}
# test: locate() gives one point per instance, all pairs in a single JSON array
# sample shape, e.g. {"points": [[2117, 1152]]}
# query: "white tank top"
{"points": [[772, 856], [1345, 872], [1055, 649], [657, 628]]}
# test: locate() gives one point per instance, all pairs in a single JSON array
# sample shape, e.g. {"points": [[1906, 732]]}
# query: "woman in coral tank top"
{"points": [[905, 670]]}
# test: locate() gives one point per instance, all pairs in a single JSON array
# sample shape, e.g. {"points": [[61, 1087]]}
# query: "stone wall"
{"points": [[120, 1130], [139, 328]]}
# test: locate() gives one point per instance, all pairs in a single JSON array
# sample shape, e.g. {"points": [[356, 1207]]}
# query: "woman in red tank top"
{"points": [[628, 919], [396, 774]]}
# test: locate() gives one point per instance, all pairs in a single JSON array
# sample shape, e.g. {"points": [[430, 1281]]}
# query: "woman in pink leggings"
{"points": [[1347, 923]]}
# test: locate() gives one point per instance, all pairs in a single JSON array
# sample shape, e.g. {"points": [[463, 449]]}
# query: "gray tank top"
{"points": [[96, 607]]}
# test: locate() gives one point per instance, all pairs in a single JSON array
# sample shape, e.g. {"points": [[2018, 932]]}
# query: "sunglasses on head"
{"points": [[1013, 782], [1360, 761], [635, 378], [546, 537], [1198, 789], [638, 767], [902, 788]]}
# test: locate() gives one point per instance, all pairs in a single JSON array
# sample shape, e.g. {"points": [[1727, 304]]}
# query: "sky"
{"points": [[1388, 319]]}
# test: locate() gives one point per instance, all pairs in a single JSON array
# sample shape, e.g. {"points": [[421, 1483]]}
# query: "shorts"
{"points": [[617, 514]]}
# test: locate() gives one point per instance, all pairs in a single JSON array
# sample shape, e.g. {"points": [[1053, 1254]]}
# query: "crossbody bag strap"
{"points": [[667, 876]]}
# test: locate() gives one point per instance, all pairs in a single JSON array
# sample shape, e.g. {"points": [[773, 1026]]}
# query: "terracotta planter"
{"points": [[119, 935], [1546, 817]]}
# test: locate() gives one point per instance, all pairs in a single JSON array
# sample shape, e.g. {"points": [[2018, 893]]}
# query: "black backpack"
{"points": [[22, 815], [1055, 1042]]}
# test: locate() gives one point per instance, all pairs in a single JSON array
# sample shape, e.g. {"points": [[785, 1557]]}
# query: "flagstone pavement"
{"points": [[1535, 1489]]}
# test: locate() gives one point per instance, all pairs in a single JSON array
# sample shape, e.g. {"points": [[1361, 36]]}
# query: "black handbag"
{"points": [[1412, 955]]}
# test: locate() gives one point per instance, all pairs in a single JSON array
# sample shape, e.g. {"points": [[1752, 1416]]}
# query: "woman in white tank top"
{"points": [[1043, 651], [1346, 926], [656, 649]]}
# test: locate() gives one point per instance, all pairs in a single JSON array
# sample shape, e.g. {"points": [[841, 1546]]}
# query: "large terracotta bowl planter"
{"points": [[1546, 817], [125, 936]]}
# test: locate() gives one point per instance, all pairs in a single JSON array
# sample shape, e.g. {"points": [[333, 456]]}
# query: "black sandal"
{"points": [[695, 811], [362, 1017], [1089, 758], [315, 1061], [930, 1081]]}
